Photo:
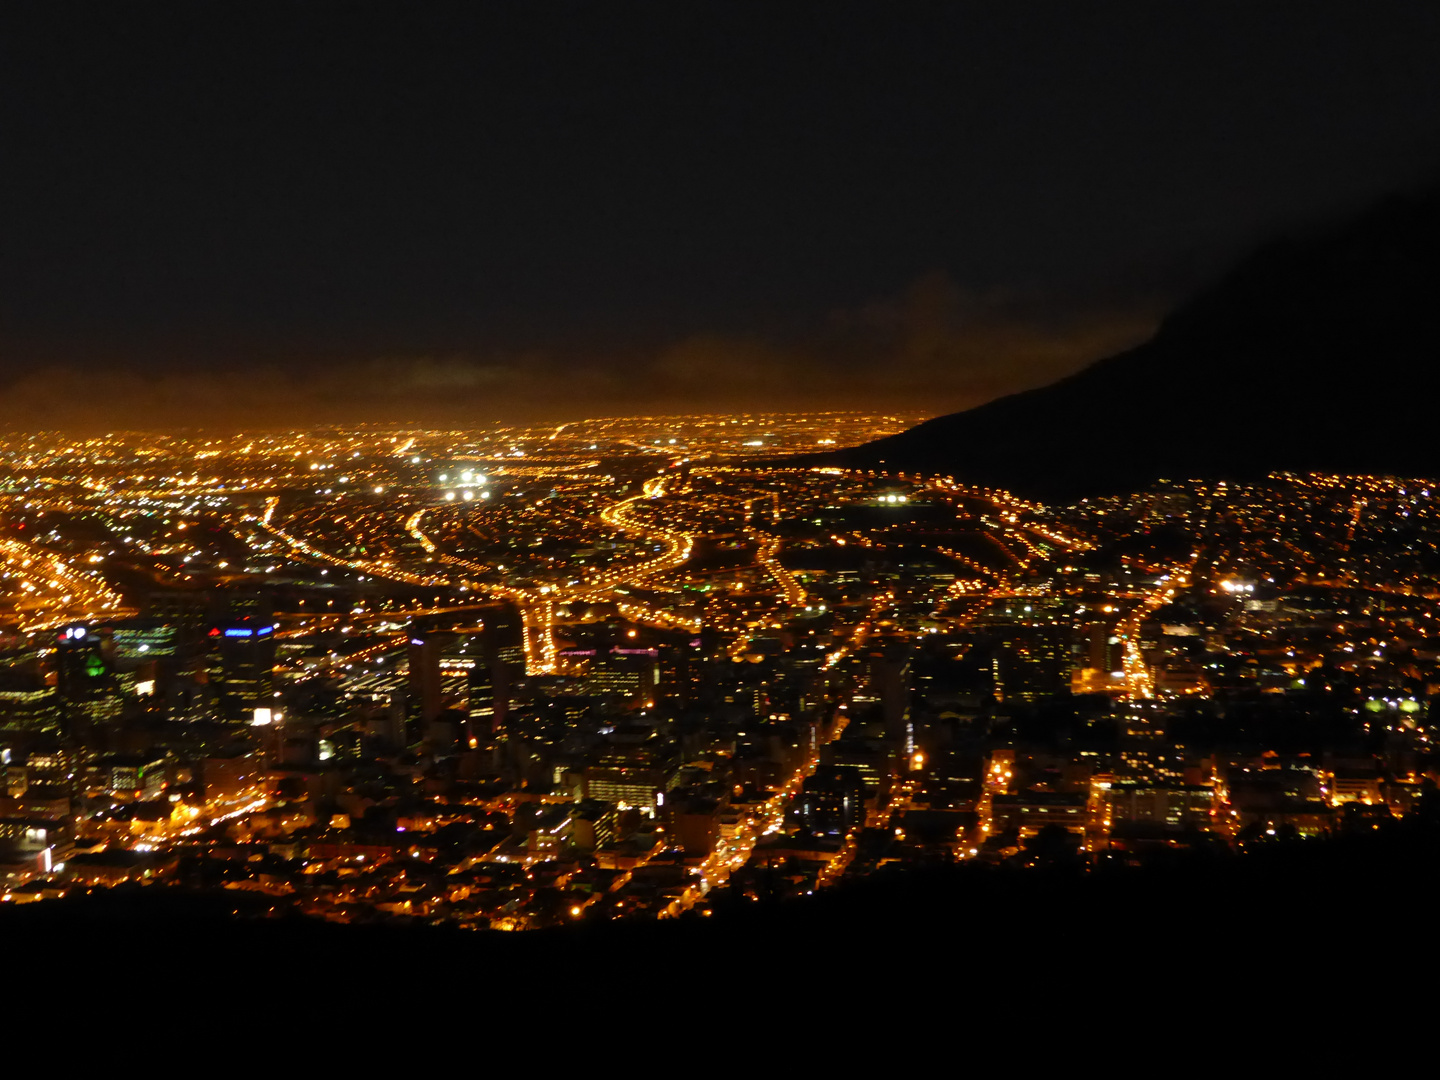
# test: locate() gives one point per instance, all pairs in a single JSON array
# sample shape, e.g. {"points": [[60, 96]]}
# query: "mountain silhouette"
{"points": [[1318, 353]]}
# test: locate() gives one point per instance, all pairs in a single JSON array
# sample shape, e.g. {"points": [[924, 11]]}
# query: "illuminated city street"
{"points": [[643, 676]]}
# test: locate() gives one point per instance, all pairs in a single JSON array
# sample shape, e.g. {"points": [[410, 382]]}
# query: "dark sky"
{"points": [[215, 213]]}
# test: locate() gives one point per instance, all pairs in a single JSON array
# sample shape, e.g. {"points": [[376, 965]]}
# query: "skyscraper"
{"points": [[890, 682], [427, 691], [84, 679], [241, 661], [483, 714]]}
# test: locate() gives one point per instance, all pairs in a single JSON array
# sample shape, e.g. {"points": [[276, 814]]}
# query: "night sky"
{"points": [[239, 214]]}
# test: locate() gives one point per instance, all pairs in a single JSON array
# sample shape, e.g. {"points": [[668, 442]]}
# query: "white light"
{"points": [[263, 717]]}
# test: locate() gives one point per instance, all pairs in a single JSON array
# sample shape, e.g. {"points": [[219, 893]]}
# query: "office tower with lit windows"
{"points": [[84, 676], [427, 695], [241, 660], [678, 674], [832, 802], [623, 673], [890, 683], [504, 651], [1036, 661], [483, 713], [505, 637], [27, 703]]}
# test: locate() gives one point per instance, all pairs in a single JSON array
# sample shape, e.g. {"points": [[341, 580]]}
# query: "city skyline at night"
{"points": [[704, 523]]}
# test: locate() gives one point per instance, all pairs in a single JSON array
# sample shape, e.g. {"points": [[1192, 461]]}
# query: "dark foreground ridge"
{"points": [[1316, 354], [955, 923]]}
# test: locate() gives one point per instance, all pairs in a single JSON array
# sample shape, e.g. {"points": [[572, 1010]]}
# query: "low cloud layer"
{"points": [[936, 348]]}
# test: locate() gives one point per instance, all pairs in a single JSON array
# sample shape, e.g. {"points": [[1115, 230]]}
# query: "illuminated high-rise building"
{"points": [[678, 671], [84, 677], [890, 682], [241, 661], [832, 802], [32, 708], [505, 635], [483, 711], [427, 689]]}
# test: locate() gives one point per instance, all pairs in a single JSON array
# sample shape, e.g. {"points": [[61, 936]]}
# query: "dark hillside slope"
{"points": [[1319, 353]]}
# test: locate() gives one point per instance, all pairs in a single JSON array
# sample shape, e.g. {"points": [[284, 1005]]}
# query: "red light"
{"points": [[214, 631]]}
